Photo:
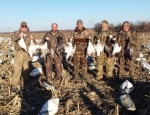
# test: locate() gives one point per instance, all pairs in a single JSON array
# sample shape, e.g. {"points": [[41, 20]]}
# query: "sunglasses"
{"points": [[24, 26]]}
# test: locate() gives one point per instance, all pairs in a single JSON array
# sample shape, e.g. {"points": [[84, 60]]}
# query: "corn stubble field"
{"points": [[86, 97]]}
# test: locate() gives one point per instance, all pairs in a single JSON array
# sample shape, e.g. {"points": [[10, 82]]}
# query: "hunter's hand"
{"points": [[21, 35], [31, 37]]}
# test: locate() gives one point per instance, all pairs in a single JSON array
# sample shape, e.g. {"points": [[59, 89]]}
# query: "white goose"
{"points": [[90, 49], [69, 49], [31, 48], [116, 49], [22, 44], [98, 47]]}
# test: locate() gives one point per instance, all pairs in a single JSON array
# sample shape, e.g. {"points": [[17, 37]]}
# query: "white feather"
{"points": [[35, 58], [90, 49], [116, 49], [69, 49], [22, 44], [43, 47], [31, 48], [98, 47]]}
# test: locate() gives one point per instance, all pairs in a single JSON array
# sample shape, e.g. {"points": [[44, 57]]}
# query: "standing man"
{"points": [[22, 58], [105, 58], [79, 37], [128, 41], [53, 38]]}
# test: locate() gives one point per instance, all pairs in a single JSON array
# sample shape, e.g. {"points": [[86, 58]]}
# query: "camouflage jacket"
{"points": [[80, 39], [126, 40], [104, 37], [54, 39], [16, 39]]}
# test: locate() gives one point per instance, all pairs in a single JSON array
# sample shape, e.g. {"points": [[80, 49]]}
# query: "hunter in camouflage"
{"points": [[54, 38], [79, 37], [128, 41], [105, 59], [22, 59]]}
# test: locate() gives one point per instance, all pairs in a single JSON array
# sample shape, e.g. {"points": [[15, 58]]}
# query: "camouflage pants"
{"points": [[102, 61], [130, 64], [21, 61], [49, 63], [80, 61]]}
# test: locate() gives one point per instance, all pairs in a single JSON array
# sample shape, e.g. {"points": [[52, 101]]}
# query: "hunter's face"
{"points": [[54, 27], [23, 28], [126, 28], [80, 26], [104, 27]]}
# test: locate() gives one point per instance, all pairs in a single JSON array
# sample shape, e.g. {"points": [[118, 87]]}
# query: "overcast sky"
{"points": [[40, 14]]}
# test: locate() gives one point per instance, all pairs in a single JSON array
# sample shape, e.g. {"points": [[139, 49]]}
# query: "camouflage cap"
{"points": [[23, 24], [105, 22], [79, 21], [126, 23]]}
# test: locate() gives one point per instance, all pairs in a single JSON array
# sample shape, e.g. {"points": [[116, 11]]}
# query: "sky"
{"points": [[40, 14]]}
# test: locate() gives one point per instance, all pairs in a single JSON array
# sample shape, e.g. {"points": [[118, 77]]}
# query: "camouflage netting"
{"points": [[85, 97]]}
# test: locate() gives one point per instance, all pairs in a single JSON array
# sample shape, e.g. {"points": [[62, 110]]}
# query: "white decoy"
{"points": [[12, 61], [126, 87], [126, 101], [90, 49], [146, 66], [1, 61], [50, 107], [31, 48], [116, 49], [69, 49], [12, 48], [1, 53], [140, 58], [141, 55], [36, 71], [35, 58], [98, 47], [22, 44]]}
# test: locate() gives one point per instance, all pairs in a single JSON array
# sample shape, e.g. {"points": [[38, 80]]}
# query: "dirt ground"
{"points": [[85, 97]]}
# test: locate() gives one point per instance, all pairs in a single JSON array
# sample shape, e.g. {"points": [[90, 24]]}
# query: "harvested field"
{"points": [[85, 97]]}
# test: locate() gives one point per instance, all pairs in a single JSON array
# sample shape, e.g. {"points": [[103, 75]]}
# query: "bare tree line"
{"points": [[140, 26]]}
